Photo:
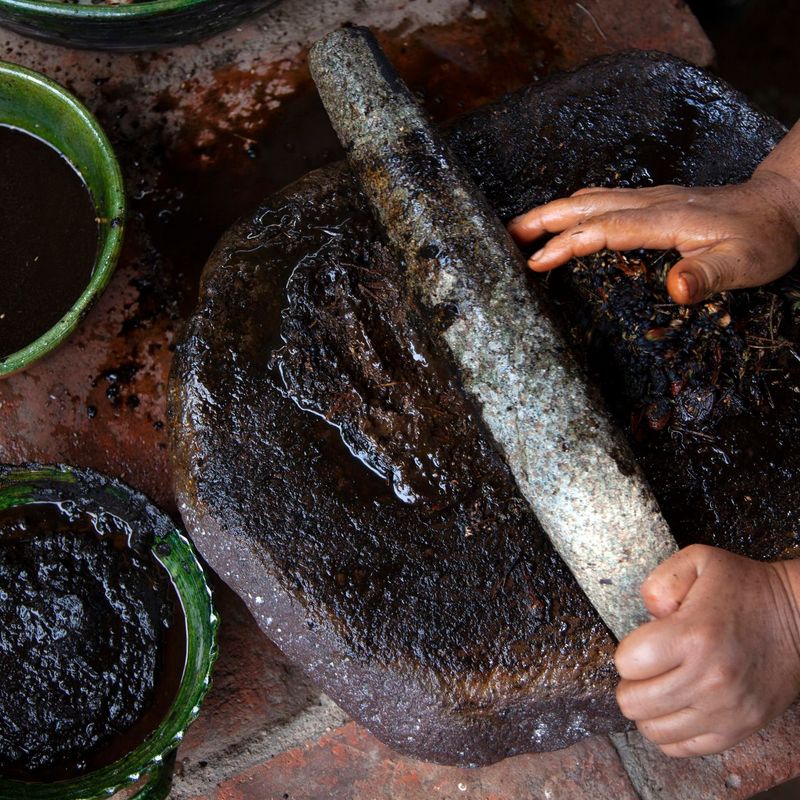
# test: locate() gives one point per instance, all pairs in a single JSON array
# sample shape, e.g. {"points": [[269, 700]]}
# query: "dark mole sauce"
{"points": [[92, 642], [48, 238]]}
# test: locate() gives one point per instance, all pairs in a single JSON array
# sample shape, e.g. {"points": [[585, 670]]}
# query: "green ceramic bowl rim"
{"points": [[54, 8], [18, 486], [110, 234]]}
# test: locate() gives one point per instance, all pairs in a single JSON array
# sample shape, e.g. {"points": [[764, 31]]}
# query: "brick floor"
{"points": [[767, 758], [350, 764]]}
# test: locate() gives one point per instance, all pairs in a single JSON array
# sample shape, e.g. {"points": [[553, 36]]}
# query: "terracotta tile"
{"points": [[350, 764]]}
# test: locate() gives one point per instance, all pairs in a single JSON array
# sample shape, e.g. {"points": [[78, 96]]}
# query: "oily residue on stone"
{"points": [[354, 355], [482, 595], [453, 633], [91, 645]]}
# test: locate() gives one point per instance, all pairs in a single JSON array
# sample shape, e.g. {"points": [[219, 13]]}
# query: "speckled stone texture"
{"points": [[569, 460]]}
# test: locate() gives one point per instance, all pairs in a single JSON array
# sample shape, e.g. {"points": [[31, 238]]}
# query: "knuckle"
{"points": [[627, 704], [752, 715], [679, 750], [625, 664], [653, 731], [722, 676], [699, 640], [717, 271]]}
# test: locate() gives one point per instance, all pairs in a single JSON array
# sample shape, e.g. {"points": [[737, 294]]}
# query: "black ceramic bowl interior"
{"points": [[132, 26]]}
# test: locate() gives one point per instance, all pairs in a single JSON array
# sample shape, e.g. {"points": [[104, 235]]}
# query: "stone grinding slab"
{"points": [[452, 632]]}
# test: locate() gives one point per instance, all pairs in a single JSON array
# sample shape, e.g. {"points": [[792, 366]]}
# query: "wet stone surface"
{"points": [[450, 629], [442, 572]]}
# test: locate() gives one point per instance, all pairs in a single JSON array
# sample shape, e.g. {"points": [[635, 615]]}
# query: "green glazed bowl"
{"points": [[32, 103], [148, 769], [135, 26]]}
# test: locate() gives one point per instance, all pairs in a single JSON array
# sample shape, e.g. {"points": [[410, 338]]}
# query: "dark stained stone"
{"points": [[404, 570]]}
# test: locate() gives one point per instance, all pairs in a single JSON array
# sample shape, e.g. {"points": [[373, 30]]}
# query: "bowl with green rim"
{"points": [[142, 25], [146, 772], [36, 105]]}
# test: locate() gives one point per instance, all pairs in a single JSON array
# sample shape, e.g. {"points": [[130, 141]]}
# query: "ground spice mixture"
{"points": [[92, 642], [678, 368]]}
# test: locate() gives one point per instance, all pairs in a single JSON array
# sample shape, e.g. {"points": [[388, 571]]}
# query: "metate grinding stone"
{"points": [[331, 470]]}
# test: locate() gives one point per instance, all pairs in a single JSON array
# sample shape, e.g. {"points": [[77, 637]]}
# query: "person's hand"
{"points": [[722, 656], [728, 236]]}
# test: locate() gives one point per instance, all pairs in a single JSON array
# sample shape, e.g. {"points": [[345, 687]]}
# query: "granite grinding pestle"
{"points": [[570, 462]]}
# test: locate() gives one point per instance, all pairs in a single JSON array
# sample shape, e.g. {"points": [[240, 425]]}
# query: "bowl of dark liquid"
{"points": [[108, 638], [62, 206]]}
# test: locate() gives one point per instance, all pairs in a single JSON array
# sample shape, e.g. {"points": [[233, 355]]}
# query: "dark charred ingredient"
{"points": [[710, 394], [92, 642], [453, 633], [48, 238], [681, 368]]}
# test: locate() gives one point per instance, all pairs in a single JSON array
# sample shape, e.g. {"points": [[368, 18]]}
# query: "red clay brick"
{"points": [[350, 764]]}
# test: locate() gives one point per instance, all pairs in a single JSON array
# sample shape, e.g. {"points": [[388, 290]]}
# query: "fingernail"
{"points": [[515, 220], [537, 256], [690, 284]]}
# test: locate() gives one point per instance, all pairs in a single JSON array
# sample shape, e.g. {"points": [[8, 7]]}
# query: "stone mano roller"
{"points": [[570, 463]]}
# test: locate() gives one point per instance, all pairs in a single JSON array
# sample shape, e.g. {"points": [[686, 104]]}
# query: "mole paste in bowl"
{"points": [[48, 238], [92, 641]]}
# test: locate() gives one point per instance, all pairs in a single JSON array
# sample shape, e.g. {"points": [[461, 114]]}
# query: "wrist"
{"points": [[786, 593], [781, 190]]}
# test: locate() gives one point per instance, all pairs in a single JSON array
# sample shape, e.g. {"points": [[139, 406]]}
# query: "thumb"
{"points": [[723, 266], [666, 587]]}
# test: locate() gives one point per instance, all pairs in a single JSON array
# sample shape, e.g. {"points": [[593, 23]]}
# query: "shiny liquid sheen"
{"points": [[48, 238]]}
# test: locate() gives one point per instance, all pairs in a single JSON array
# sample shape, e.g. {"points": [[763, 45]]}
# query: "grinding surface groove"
{"points": [[452, 633]]}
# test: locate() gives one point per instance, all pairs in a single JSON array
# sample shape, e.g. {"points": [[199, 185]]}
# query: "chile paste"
{"points": [[92, 641]]}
